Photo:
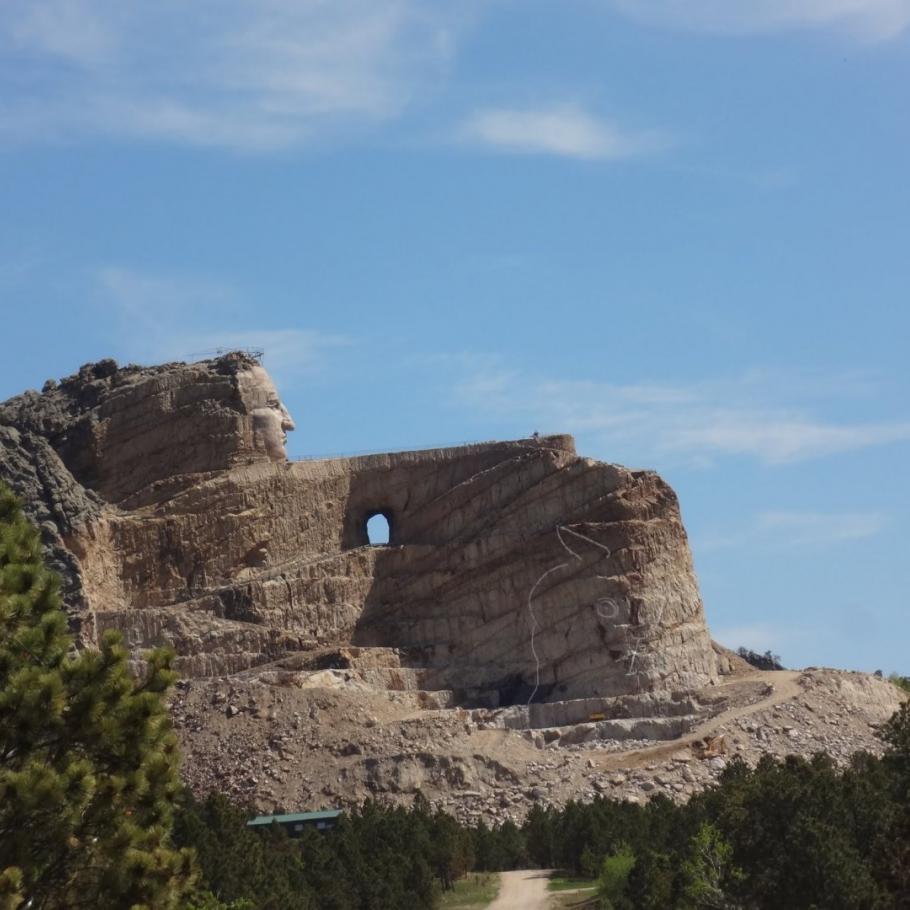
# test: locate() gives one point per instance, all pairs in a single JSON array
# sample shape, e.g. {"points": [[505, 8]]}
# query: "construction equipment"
{"points": [[710, 747]]}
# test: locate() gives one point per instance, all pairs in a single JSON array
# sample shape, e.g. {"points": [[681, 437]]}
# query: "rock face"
{"points": [[516, 572], [532, 633]]}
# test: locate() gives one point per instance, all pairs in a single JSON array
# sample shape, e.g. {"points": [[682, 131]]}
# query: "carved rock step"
{"points": [[355, 681], [596, 710], [650, 728]]}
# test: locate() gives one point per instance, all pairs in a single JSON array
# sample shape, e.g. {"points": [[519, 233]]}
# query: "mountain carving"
{"points": [[515, 572]]}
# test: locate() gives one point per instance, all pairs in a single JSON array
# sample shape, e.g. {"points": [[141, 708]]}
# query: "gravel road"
{"points": [[522, 890]]}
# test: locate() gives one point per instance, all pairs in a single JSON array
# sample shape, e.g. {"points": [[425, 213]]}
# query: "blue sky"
{"points": [[677, 230]]}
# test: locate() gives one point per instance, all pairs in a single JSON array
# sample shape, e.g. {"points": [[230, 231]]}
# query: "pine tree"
{"points": [[88, 761], [896, 733], [538, 829]]}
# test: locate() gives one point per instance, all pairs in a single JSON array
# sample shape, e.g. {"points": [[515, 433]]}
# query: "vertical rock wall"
{"points": [[516, 570]]}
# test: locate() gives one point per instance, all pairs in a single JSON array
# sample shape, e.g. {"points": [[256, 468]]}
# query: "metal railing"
{"points": [[424, 447]]}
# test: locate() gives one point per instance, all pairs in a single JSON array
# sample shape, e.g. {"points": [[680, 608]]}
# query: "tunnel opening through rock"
{"points": [[377, 528], [517, 691]]}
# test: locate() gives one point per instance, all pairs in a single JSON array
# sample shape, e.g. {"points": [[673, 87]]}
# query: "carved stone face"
{"points": [[271, 420]]}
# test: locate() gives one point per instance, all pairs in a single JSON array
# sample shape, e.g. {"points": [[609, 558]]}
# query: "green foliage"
{"points": [[560, 882], [902, 682], [208, 901], [613, 883], [709, 873], [539, 833], [896, 733], [451, 848], [497, 849], [378, 858], [589, 863], [766, 661], [88, 761], [803, 832], [895, 847], [653, 879], [476, 890], [237, 864], [11, 888], [786, 835]]}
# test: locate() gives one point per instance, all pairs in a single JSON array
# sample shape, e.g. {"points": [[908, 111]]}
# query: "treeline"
{"points": [[377, 857], [902, 682], [766, 661], [787, 835]]}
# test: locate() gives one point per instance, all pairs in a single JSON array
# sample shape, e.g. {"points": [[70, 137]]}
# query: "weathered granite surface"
{"points": [[516, 570]]}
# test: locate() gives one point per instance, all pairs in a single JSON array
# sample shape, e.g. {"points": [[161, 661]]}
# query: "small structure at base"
{"points": [[297, 821]]}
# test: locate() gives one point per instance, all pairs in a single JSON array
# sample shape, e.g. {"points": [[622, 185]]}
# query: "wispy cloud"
{"points": [[566, 130], [146, 301], [285, 351], [248, 76], [873, 20], [812, 528], [795, 530], [755, 414], [158, 317], [778, 437]]}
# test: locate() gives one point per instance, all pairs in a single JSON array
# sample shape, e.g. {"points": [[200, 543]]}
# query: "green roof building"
{"points": [[296, 822]]}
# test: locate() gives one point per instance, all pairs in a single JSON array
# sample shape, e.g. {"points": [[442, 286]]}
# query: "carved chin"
{"points": [[268, 436], [275, 446]]}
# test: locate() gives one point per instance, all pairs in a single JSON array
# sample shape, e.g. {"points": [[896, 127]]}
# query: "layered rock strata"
{"points": [[516, 572]]}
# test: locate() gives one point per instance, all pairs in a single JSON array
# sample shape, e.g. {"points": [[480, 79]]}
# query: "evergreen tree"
{"points": [[896, 846], [651, 881], [88, 761], [538, 830], [485, 848], [238, 864]]}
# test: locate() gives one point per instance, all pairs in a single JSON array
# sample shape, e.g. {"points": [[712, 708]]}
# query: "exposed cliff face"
{"points": [[516, 571], [122, 433], [551, 595]]}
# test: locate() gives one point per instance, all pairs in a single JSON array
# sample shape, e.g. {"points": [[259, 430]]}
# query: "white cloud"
{"points": [[69, 29], [872, 20], [285, 351], [787, 530], [565, 130], [249, 76], [778, 437], [168, 317], [815, 528], [148, 300], [749, 415]]}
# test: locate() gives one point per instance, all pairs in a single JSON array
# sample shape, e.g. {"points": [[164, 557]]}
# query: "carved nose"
{"points": [[287, 422]]}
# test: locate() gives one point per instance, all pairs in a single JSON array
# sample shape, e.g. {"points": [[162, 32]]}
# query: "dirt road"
{"points": [[522, 890], [785, 686]]}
